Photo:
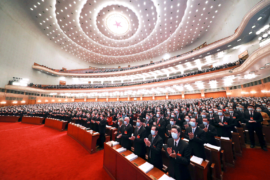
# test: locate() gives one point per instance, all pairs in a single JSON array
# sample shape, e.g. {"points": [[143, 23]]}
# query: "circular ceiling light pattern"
{"points": [[120, 24], [117, 24]]}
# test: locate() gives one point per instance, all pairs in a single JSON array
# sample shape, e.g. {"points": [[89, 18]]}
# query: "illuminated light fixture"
{"points": [[117, 23], [253, 92], [59, 100], [53, 93], [53, 100], [228, 93], [259, 18], [66, 100], [265, 42], [265, 91], [243, 92], [189, 87], [238, 40], [15, 102], [260, 38], [39, 101], [3, 102], [221, 54], [23, 102], [250, 76], [228, 80], [262, 68], [213, 84], [199, 84], [46, 100], [265, 35]]}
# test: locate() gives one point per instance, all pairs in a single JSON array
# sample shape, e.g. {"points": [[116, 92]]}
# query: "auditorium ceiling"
{"points": [[126, 31]]}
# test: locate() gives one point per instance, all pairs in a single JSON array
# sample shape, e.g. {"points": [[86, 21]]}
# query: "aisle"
{"points": [[37, 152]]}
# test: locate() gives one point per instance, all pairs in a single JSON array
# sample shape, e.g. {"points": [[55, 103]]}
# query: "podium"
{"points": [[55, 124], [9, 118], [88, 139], [32, 120]]}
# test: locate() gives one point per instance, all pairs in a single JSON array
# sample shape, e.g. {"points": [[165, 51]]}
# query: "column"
{"points": [[183, 95], [202, 93]]}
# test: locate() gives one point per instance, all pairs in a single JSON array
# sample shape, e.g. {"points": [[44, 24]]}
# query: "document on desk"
{"points": [[196, 160], [114, 143], [121, 149], [224, 138], [166, 177], [95, 133], [108, 126], [186, 140], [212, 146], [146, 167], [131, 157]]}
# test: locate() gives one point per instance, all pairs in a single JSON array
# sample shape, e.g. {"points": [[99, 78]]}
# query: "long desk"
{"points": [[9, 118], [120, 168], [32, 120], [55, 124], [87, 138], [110, 131]]}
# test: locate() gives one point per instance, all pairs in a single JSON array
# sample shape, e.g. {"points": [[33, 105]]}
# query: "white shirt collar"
{"points": [[177, 141]]}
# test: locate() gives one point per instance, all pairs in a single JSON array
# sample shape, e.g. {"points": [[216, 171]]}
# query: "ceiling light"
{"points": [[259, 18]]}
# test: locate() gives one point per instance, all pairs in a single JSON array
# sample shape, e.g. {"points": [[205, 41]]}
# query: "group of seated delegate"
{"points": [[160, 124], [87, 86]]}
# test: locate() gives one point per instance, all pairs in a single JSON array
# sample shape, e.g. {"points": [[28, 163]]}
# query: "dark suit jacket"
{"points": [[210, 134], [178, 168], [155, 150], [139, 145], [102, 126], [148, 126], [120, 130], [161, 128], [223, 130], [196, 144], [211, 118], [125, 141], [256, 117]]}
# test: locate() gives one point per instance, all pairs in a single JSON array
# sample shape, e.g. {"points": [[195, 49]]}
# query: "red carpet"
{"points": [[253, 165], [37, 152]]}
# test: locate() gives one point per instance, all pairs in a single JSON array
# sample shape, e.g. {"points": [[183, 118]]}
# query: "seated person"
{"points": [[154, 142], [179, 153], [196, 138]]}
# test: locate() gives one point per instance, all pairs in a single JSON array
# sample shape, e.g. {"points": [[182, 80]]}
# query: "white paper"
{"points": [[121, 149], [196, 160], [212, 146], [225, 138], [131, 157], [166, 177], [114, 143], [95, 133], [186, 140], [108, 126], [146, 167]]}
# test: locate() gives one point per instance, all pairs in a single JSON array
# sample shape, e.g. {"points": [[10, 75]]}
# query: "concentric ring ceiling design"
{"points": [[121, 31]]}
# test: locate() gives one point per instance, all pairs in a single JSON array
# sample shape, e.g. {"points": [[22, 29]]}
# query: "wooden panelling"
{"points": [[79, 100], [112, 99], [160, 98], [148, 98], [254, 91], [102, 100], [123, 99], [175, 97], [91, 100], [192, 96], [215, 94]]}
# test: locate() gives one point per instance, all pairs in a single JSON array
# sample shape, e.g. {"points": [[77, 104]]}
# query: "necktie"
{"points": [[175, 144], [193, 130]]}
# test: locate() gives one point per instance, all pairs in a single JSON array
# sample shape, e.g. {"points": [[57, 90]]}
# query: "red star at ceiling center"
{"points": [[117, 24]]}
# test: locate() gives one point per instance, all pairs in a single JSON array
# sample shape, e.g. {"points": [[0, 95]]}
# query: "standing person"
{"points": [[210, 131], [253, 120], [102, 130], [120, 129], [179, 153], [127, 131], [154, 142]]}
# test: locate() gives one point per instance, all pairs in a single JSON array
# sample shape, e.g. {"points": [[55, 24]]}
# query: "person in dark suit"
{"points": [[154, 142], [138, 139], [210, 131], [223, 125], [127, 131], [148, 124], [211, 116], [160, 122], [253, 120], [179, 153], [102, 129], [120, 129], [169, 127], [196, 138]]}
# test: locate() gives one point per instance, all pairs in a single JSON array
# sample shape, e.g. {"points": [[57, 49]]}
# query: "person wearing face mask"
{"points": [[210, 132], [196, 137], [179, 152], [154, 142], [148, 124], [200, 118], [169, 127], [138, 139], [120, 130], [211, 116], [223, 124], [160, 122], [264, 115], [102, 130], [186, 123], [253, 121], [127, 131]]}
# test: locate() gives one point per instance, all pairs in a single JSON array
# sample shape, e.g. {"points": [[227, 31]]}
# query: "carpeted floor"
{"points": [[37, 152]]}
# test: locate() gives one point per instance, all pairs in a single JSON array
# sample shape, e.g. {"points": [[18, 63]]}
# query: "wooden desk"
{"points": [[200, 171], [237, 145], [226, 145], [110, 131], [84, 137], [240, 130], [9, 118], [120, 168], [32, 120], [55, 124], [214, 157], [266, 132]]}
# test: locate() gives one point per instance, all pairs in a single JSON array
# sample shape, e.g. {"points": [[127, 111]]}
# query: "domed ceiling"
{"points": [[124, 31]]}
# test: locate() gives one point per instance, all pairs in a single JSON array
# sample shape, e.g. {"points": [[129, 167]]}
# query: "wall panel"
{"points": [[192, 96], [175, 97], [215, 94], [160, 97]]}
